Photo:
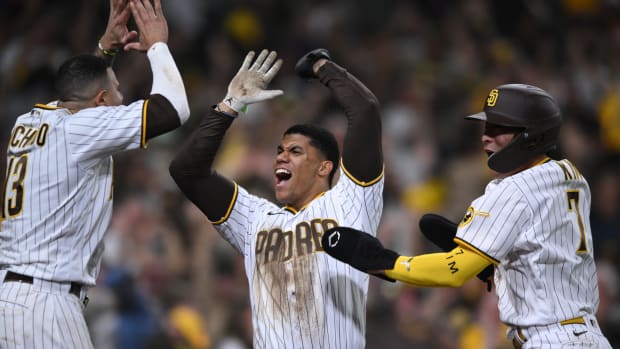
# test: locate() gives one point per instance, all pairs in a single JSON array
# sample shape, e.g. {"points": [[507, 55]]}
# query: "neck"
{"points": [[536, 161], [74, 106], [300, 205]]}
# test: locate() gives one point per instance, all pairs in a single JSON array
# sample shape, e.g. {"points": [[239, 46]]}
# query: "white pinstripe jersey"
{"points": [[58, 189], [536, 225], [300, 296]]}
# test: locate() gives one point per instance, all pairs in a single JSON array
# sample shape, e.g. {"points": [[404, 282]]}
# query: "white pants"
{"points": [[41, 315], [557, 336]]}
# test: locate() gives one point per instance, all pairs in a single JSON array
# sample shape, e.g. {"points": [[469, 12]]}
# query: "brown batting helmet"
{"points": [[528, 108]]}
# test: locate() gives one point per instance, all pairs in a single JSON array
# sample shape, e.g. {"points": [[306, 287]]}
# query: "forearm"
{"points": [[167, 79], [449, 269], [361, 108], [192, 169]]}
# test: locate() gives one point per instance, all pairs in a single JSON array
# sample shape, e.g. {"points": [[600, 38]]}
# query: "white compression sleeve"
{"points": [[167, 80]]}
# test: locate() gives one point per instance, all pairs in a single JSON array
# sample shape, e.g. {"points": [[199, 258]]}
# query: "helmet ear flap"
{"points": [[530, 143]]}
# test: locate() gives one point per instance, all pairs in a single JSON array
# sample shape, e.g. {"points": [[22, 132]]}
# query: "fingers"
{"points": [[158, 11], [142, 11], [259, 61], [273, 70], [269, 94], [129, 37], [268, 61], [138, 12], [247, 61], [116, 4], [124, 15], [147, 5], [134, 46]]}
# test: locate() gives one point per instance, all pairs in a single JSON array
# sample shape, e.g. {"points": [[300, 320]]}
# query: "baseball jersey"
{"points": [[535, 226], [300, 296], [57, 199]]}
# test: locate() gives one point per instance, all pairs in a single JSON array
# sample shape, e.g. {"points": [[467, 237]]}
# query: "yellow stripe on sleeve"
{"points": [[472, 248], [357, 181], [143, 138]]}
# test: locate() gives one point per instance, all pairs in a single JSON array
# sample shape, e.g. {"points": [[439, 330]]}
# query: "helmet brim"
{"points": [[482, 116]]}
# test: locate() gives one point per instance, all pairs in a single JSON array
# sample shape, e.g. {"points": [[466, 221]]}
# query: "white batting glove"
{"points": [[250, 83]]}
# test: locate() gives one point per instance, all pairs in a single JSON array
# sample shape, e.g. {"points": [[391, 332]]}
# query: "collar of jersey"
{"points": [[49, 106], [294, 211], [543, 161]]}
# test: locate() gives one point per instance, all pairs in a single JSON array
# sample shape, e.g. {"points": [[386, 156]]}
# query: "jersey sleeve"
{"points": [[103, 131], [360, 203], [493, 222], [245, 210]]}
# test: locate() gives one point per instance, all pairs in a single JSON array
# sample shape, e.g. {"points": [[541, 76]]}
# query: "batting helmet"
{"points": [[528, 108]]}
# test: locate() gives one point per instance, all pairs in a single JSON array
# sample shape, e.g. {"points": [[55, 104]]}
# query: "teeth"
{"points": [[282, 171]]}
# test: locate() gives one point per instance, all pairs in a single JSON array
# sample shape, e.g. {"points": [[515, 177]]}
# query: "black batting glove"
{"points": [[304, 66], [441, 231], [361, 250]]}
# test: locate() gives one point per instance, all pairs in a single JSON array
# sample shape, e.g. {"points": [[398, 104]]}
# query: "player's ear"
{"points": [[101, 98], [326, 167]]}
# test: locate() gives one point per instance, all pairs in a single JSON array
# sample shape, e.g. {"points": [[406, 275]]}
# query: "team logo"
{"points": [[407, 263], [492, 99], [469, 215], [334, 238]]}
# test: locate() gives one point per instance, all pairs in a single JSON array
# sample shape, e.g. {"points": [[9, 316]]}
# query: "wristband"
{"points": [[108, 52], [235, 104]]}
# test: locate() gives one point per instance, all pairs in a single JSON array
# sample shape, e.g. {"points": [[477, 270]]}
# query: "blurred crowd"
{"points": [[169, 281]]}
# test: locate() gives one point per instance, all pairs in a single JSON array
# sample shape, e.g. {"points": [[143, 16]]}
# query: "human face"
{"points": [[496, 137], [300, 171]]}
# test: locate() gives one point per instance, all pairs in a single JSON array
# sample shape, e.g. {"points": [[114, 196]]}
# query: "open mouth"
{"points": [[282, 175]]}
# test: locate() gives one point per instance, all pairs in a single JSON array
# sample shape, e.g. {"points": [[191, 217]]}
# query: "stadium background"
{"points": [[169, 281]]}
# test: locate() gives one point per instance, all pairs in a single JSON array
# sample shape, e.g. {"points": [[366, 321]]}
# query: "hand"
{"points": [[359, 249], [441, 231], [151, 24], [116, 34], [250, 83], [308, 65]]}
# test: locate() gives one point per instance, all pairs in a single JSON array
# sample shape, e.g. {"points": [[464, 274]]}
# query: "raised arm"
{"points": [[192, 168], [362, 154]]}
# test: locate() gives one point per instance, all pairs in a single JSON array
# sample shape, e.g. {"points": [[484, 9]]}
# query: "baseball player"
{"points": [[300, 297], [57, 196], [532, 224]]}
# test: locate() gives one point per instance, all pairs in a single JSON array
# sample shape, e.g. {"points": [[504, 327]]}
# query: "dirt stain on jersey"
{"points": [[290, 293]]}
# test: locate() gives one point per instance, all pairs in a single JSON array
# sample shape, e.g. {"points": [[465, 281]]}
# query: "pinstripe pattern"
{"points": [[61, 181], [533, 223], [300, 297], [43, 315]]}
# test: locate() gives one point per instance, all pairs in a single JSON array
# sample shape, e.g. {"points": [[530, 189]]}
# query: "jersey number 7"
{"points": [[573, 206]]}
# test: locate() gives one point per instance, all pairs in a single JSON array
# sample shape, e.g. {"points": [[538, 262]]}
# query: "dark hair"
{"points": [[321, 139], [77, 76]]}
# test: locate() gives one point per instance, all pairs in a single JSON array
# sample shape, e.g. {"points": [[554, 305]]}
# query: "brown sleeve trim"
{"points": [[359, 182], [158, 117], [230, 206]]}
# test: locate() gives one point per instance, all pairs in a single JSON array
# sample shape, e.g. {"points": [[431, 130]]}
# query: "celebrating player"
{"points": [[57, 197], [300, 297], [532, 224]]}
